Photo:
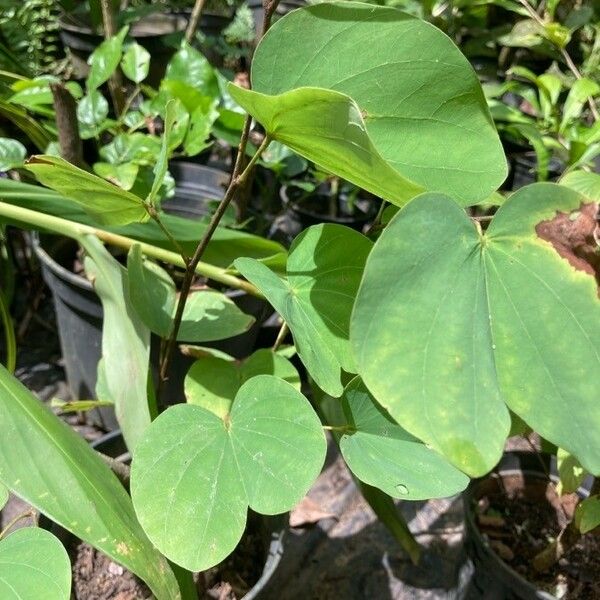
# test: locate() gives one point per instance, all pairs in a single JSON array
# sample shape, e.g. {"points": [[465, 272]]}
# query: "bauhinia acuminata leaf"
{"points": [[452, 327], [34, 564], [50, 466], [415, 98], [324, 268], [194, 474]]}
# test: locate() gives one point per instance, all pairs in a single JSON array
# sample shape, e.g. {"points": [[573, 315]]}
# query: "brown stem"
{"points": [[121, 470], [115, 82], [280, 336], [238, 179], [270, 6], [190, 32], [69, 140]]}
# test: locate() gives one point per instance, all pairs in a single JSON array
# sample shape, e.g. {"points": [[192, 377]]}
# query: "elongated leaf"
{"points": [[421, 102], [451, 326], [12, 154], [34, 564], [104, 60], [315, 300], [107, 203], [135, 62], [213, 382], [208, 315], [382, 454], [327, 127], [46, 463], [194, 475], [160, 168], [579, 93], [125, 342]]}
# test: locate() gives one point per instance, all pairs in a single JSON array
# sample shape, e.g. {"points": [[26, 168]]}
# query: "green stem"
{"points": [[185, 579], [13, 522], [9, 333], [76, 230]]}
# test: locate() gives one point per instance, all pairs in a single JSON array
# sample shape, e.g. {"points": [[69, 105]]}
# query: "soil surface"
{"points": [[519, 527]]}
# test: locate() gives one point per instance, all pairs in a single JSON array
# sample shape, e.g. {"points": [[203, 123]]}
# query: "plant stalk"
{"points": [[192, 27], [9, 335], [76, 230], [115, 82], [69, 140]]}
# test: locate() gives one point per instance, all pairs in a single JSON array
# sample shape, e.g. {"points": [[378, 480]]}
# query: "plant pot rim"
{"points": [[513, 463]]}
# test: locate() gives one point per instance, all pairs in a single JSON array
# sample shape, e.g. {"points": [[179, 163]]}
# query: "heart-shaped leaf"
{"points": [[382, 454], [451, 326], [208, 315], [47, 464], [194, 475], [324, 268], [34, 564], [213, 382], [420, 100], [107, 203]]}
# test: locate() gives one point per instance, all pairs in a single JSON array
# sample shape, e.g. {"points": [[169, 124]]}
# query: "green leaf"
{"points": [[3, 496], [194, 475], [587, 515], [107, 203], [160, 168], [192, 68], [422, 105], [12, 154], [104, 60], [451, 326], [51, 467], [315, 300], [135, 62], [580, 92], [570, 472], [34, 564], [327, 127], [208, 315], [92, 109], [123, 175], [587, 184], [125, 342], [213, 382], [201, 122], [78, 405], [127, 147], [382, 454]]}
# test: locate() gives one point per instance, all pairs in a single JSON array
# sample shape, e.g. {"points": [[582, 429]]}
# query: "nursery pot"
{"points": [[153, 32], [312, 209], [269, 531], [521, 473], [523, 167]]}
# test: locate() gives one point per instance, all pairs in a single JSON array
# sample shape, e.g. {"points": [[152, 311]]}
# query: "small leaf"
{"points": [[135, 62], [324, 268], [570, 472], [382, 454], [587, 515], [208, 315], [213, 382], [192, 495], [201, 122], [160, 169], [78, 405], [34, 564], [587, 184], [104, 60], [12, 154], [580, 92], [191, 67], [107, 203], [92, 109]]}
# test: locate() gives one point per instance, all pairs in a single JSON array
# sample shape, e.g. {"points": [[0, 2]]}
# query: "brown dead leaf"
{"points": [[308, 512]]}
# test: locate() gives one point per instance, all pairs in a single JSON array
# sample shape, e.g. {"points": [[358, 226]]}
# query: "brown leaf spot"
{"points": [[575, 236]]}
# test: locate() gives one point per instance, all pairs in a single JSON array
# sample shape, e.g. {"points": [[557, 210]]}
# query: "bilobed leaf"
{"points": [[135, 62], [382, 454], [213, 382], [324, 268], [34, 564], [51, 467], [104, 60], [12, 154], [327, 128], [208, 315], [451, 327], [422, 105], [194, 475], [107, 203], [125, 342]]}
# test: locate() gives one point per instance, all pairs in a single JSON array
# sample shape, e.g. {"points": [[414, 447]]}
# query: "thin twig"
{"points": [[190, 32], [30, 513], [156, 218], [280, 336], [115, 82]]}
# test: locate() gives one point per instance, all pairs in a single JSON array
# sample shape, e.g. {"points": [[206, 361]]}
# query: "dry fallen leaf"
{"points": [[308, 512]]}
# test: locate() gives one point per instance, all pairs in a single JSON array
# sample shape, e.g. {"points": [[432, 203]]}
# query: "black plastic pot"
{"points": [[493, 579], [312, 209], [153, 32], [523, 169]]}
